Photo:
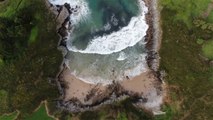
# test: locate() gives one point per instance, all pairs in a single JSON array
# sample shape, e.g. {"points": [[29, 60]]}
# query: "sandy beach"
{"points": [[146, 86], [80, 90], [78, 95]]}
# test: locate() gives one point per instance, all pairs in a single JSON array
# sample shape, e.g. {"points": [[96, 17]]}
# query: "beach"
{"points": [[147, 87]]}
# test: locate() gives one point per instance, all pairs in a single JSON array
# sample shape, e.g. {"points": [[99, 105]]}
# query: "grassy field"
{"points": [[40, 114], [29, 57], [187, 10], [186, 62], [10, 7]]}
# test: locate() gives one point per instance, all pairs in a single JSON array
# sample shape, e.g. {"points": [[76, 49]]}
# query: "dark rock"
{"points": [[63, 32], [63, 42], [67, 6]]}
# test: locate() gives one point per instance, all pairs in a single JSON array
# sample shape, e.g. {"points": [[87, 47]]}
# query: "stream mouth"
{"points": [[108, 40]]}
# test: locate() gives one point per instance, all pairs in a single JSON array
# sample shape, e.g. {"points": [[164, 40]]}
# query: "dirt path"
{"points": [[208, 10], [46, 108]]}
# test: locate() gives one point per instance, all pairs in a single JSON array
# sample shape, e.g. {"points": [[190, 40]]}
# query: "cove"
{"points": [[106, 17]]}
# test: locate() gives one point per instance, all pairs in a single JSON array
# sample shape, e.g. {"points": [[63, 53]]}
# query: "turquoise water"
{"points": [[106, 17], [114, 13], [98, 68]]}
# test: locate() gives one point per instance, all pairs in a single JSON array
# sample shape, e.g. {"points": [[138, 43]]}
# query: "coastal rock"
{"points": [[153, 60]]}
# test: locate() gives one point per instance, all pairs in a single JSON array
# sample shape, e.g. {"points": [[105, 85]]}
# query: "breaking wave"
{"points": [[107, 57], [127, 36]]}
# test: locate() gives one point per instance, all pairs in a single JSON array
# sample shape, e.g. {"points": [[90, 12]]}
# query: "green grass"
{"points": [[33, 34], [11, 116], [207, 49], [122, 116], [186, 10], [200, 41], [40, 114], [210, 17], [170, 113], [11, 7], [186, 70], [3, 100], [27, 67]]}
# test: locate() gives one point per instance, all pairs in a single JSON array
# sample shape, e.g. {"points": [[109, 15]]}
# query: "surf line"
{"points": [[127, 36]]}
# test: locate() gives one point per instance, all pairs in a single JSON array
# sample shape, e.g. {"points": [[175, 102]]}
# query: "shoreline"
{"points": [[74, 100], [154, 35]]}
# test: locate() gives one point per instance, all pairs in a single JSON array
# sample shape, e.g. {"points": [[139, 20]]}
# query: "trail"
{"points": [[208, 10]]}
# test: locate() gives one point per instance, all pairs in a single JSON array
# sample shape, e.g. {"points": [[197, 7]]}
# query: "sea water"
{"points": [[107, 42]]}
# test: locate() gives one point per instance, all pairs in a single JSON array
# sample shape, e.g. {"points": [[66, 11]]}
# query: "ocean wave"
{"points": [[99, 65], [117, 41], [93, 73]]}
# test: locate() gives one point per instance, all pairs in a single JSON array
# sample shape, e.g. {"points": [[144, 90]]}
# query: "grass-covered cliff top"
{"points": [[29, 58], [186, 56]]}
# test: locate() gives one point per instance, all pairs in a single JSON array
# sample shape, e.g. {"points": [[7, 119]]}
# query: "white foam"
{"points": [[93, 75], [127, 36], [139, 68], [154, 101], [82, 14], [93, 79], [122, 56], [107, 27], [117, 41]]}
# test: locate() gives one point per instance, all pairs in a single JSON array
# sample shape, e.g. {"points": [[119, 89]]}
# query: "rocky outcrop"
{"points": [[153, 37]]}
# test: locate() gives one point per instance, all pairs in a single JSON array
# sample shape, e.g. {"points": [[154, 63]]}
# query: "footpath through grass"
{"points": [[40, 114], [10, 116]]}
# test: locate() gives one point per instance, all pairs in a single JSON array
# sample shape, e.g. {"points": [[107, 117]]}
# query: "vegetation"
{"points": [[40, 114], [118, 111], [122, 116], [33, 34], [11, 116], [186, 10], [186, 53], [29, 58], [10, 7], [3, 100], [208, 49]]}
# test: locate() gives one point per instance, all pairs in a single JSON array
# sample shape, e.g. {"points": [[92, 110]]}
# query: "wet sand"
{"points": [[141, 84], [79, 89]]}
